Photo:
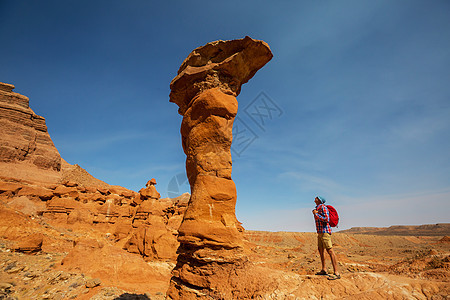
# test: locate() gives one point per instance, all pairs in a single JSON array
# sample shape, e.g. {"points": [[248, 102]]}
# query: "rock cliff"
{"points": [[24, 136]]}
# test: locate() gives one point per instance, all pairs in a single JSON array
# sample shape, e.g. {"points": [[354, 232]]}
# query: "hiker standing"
{"points": [[323, 228]]}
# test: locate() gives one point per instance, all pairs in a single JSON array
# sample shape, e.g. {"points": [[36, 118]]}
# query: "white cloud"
{"points": [[422, 127], [88, 143], [310, 182]]}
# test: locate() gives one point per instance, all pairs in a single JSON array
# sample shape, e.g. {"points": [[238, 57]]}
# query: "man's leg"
{"points": [[329, 246], [321, 248], [322, 258], [333, 260]]}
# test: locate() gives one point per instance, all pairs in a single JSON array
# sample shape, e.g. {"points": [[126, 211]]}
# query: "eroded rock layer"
{"points": [[24, 135], [210, 237], [140, 225]]}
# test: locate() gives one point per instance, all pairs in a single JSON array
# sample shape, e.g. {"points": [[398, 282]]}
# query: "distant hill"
{"points": [[440, 229]]}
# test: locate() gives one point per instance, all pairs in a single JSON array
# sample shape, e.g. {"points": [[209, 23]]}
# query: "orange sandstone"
{"points": [[205, 89]]}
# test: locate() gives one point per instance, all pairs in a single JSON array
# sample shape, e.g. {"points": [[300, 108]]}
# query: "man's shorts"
{"points": [[324, 241]]}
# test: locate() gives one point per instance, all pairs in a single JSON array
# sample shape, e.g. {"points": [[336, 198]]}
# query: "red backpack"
{"points": [[334, 217]]}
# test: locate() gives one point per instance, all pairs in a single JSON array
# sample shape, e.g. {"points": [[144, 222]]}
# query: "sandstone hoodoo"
{"points": [[205, 89], [149, 192]]}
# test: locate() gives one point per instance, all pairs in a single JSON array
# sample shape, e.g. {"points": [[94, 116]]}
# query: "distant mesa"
{"points": [[440, 229]]}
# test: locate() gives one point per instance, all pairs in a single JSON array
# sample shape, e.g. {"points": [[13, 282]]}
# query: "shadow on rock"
{"points": [[128, 296]]}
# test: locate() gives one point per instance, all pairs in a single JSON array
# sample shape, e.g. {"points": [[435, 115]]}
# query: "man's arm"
{"points": [[322, 214]]}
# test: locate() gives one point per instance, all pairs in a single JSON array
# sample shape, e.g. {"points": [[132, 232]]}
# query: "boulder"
{"points": [[11, 187], [113, 267], [36, 191], [62, 205], [61, 190], [31, 243], [27, 206], [153, 243], [80, 216]]}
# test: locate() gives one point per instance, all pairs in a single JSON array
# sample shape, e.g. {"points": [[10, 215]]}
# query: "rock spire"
{"points": [[205, 89]]}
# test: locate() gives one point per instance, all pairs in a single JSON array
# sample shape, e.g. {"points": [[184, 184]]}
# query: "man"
{"points": [[322, 218]]}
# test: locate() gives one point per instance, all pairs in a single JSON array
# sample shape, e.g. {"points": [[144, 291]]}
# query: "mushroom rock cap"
{"points": [[223, 64], [153, 180]]}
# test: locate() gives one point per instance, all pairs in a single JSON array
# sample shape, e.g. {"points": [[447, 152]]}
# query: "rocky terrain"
{"points": [[67, 235], [59, 262]]}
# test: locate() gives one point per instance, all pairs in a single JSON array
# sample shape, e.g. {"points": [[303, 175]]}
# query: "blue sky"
{"points": [[358, 94]]}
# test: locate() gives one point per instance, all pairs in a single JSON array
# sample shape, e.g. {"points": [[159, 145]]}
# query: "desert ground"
{"points": [[77, 262]]}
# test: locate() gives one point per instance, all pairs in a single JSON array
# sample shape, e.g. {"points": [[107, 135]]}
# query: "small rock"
{"points": [[58, 296], [4, 286], [69, 183], [90, 283], [14, 270], [10, 266], [64, 276]]}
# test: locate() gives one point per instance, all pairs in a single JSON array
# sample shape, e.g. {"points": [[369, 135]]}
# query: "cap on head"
{"points": [[321, 199]]}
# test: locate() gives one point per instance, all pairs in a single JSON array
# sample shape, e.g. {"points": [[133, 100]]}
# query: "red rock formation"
{"points": [[151, 227], [112, 266], [149, 192], [205, 90], [24, 135], [31, 243], [148, 229]]}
